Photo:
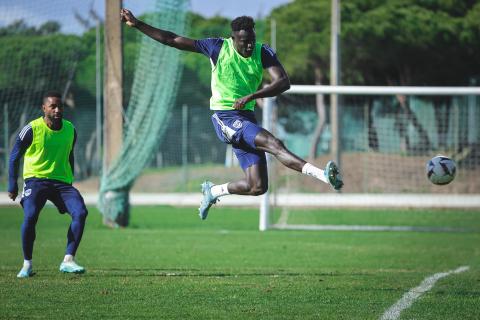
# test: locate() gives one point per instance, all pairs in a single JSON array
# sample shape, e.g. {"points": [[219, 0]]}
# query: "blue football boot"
{"points": [[207, 201]]}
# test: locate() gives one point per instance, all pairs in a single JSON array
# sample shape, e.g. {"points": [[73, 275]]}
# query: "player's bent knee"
{"points": [[257, 191], [84, 214], [80, 215], [30, 221], [30, 216]]}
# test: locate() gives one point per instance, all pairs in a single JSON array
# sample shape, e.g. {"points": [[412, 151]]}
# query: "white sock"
{"points": [[68, 258], [27, 264], [220, 190], [311, 170]]}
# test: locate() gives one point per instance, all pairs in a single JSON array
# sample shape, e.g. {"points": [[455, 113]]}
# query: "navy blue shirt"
{"points": [[24, 140], [211, 48]]}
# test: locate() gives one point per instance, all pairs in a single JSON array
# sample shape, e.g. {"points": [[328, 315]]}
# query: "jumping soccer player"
{"points": [[47, 146], [237, 71]]}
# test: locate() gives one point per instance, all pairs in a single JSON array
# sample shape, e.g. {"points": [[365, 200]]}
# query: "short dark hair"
{"points": [[243, 23], [50, 94]]}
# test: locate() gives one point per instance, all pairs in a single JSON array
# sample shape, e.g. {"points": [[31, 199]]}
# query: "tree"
{"points": [[31, 64], [20, 27], [32, 58], [49, 27], [406, 42], [304, 49], [396, 42], [17, 27]]}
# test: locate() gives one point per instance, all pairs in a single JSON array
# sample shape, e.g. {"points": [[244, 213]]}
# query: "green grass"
{"points": [[466, 220], [170, 265]]}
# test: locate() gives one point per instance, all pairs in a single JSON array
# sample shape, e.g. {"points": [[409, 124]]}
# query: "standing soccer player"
{"points": [[237, 71], [47, 146]]}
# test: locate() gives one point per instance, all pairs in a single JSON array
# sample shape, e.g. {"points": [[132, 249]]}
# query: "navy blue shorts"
{"points": [[64, 196], [239, 128]]}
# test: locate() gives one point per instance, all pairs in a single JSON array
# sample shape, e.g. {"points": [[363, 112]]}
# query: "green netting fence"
{"points": [[157, 74]]}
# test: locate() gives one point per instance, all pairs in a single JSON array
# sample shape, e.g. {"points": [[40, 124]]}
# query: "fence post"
{"points": [[184, 145], [335, 67], [265, 201], [5, 138]]}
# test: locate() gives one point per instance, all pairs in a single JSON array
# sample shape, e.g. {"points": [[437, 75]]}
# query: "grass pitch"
{"points": [[170, 265]]}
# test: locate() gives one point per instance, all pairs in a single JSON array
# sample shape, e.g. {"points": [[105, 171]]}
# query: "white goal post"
{"points": [[361, 199]]}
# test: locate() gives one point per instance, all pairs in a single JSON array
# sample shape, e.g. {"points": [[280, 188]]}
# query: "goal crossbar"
{"points": [[382, 90]]}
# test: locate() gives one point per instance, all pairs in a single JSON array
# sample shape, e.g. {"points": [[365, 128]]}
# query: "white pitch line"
{"points": [[408, 298], [281, 224], [283, 217]]}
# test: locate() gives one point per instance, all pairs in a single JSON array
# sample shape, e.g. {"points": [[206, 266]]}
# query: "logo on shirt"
{"points": [[237, 124], [27, 192], [269, 50]]}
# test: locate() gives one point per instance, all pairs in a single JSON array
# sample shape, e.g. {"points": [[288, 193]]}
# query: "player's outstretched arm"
{"points": [[163, 36], [280, 83]]}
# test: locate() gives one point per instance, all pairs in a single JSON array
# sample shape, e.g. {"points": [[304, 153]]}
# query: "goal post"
{"points": [[387, 135]]}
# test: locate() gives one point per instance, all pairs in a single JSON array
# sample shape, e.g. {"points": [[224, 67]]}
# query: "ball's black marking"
{"points": [[429, 173], [445, 168]]}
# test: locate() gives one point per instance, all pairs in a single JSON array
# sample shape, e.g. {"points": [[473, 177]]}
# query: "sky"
{"points": [[235, 8], [37, 12]]}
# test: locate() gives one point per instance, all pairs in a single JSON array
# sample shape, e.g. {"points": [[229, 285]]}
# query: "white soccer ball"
{"points": [[441, 170]]}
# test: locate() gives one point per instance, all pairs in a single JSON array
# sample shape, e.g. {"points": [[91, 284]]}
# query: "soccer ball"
{"points": [[441, 170]]}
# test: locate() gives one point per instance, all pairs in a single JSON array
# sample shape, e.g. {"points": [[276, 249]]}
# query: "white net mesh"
{"points": [[385, 142]]}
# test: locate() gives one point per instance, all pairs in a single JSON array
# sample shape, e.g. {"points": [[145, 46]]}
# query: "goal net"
{"points": [[146, 118], [386, 136]]}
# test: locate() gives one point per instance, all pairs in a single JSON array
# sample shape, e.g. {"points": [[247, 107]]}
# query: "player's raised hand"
{"points": [[128, 17]]}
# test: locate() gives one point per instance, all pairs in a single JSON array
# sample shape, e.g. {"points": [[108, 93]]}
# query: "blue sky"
{"points": [[36, 12]]}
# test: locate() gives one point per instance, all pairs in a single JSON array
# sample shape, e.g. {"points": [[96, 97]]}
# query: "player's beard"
{"points": [[56, 121]]}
